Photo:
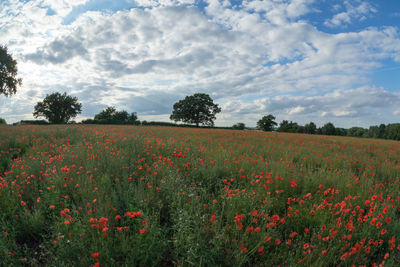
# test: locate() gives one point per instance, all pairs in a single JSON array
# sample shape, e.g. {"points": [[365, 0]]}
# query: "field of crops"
{"points": [[158, 196]]}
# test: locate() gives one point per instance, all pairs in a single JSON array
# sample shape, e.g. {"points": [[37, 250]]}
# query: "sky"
{"points": [[299, 60]]}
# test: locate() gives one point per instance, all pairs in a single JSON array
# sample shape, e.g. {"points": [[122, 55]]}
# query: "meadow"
{"points": [[98, 195]]}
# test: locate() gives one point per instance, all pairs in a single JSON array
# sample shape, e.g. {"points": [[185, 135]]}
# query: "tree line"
{"points": [[389, 131], [198, 109]]}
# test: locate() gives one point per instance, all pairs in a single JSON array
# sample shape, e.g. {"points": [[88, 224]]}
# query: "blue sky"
{"points": [[302, 60]]}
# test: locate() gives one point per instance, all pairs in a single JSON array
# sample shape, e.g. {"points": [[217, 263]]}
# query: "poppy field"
{"points": [[158, 196]]}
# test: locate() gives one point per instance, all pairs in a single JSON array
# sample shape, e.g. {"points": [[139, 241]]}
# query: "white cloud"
{"points": [[340, 106], [146, 59], [153, 3], [353, 12], [296, 110]]}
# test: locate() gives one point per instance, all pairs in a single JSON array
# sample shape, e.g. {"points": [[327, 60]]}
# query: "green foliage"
{"points": [[196, 109], [8, 73], [340, 131], [328, 129], [239, 126], [2, 121], [58, 108], [310, 128], [111, 115], [267, 123], [392, 131], [289, 127], [357, 132]]}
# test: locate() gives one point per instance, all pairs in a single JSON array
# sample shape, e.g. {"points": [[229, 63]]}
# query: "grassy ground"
{"points": [[157, 196]]}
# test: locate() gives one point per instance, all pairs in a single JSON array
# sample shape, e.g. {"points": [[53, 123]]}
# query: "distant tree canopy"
{"points": [[392, 131], [58, 108], [356, 131], [290, 127], [8, 73], [196, 109], [111, 115], [239, 126], [266, 123], [310, 128], [328, 129], [2, 121]]}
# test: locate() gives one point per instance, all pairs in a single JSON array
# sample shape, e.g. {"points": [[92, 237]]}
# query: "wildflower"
{"points": [[95, 255], [212, 219], [293, 234], [275, 218]]}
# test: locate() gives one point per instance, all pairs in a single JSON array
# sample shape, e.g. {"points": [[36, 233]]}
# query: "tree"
{"points": [[58, 108], [106, 115], [239, 126], [340, 131], [121, 117], [356, 132], [110, 115], [267, 123], [392, 131], [310, 128], [328, 129], [196, 109], [382, 130], [2, 121], [8, 73], [133, 119], [289, 127]]}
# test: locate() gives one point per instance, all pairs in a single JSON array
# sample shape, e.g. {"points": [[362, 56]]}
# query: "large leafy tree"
{"points": [[195, 109], [58, 108], [328, 129], [310, 128], [289, 127], [110, 115], [8, 73], [239, 126], [106, 115], [267, 123]]}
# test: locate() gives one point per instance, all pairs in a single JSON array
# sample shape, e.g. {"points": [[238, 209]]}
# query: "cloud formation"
{"points": [[254, 57], [357, 11]]}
